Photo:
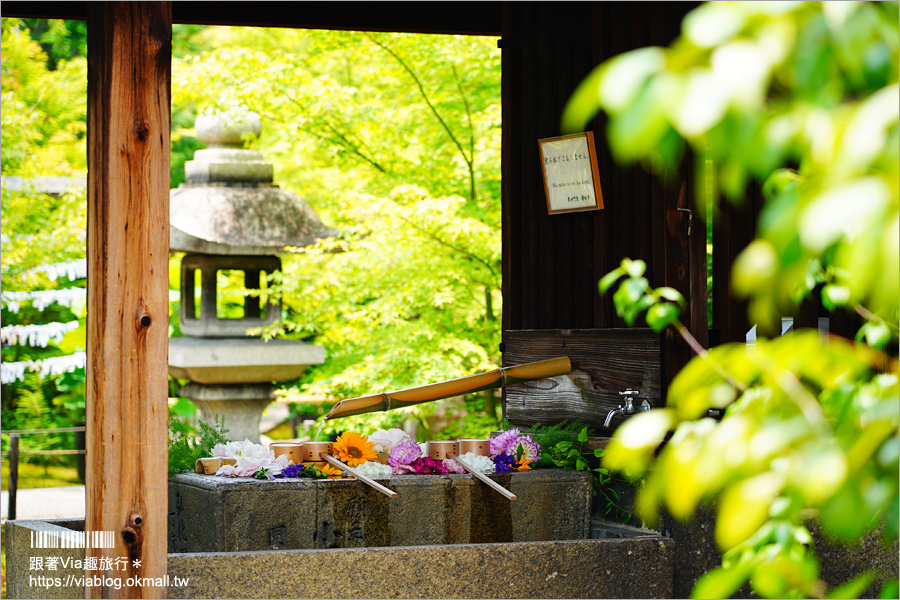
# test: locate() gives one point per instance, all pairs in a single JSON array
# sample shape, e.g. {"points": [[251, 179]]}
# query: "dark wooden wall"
{"points": [[552, 263]]}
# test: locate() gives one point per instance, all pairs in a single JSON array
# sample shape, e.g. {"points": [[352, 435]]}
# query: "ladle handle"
{"points": [[496, 486], [336, 463]]}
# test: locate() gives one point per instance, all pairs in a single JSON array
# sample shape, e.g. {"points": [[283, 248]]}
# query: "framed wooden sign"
{"points": [[571, 177]]}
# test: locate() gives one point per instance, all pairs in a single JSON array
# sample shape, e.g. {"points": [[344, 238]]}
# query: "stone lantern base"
{"points": [[232, 377], [239, 406]]}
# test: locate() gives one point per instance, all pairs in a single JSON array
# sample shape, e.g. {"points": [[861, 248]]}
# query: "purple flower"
{"points": [[504, 463], [293, 471], [531, 450], [500, 443], [508, 442], [404, 454]]}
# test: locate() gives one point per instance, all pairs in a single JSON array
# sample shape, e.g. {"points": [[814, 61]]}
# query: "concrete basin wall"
{"points": [[639, 567]]}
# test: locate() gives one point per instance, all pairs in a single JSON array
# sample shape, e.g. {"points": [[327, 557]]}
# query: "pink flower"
{"points": [[385, 441], [453, 466], [429, 466], [404, 454]]}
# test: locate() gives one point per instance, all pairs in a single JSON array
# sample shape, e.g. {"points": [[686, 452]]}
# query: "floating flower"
{"points": [[452, 466], [428, 466], [227, 471], [509, 442], [250, 459], [330, 472], [504, 463], [531, 450], [354, 449], [301, 470], [228, 450], [500, 443], [482, 464], [387, 440], [404, 454], [375, 470]]}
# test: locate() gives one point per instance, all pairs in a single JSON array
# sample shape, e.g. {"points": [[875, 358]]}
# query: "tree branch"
{"points": [[418, 83], [470, 164], [343, 140]]}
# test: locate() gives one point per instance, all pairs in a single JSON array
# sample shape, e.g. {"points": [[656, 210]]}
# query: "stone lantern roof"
{"points": [[229, 203]]}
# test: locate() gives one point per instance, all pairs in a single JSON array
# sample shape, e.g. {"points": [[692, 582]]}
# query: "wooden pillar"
{"points": [[129, 65]]}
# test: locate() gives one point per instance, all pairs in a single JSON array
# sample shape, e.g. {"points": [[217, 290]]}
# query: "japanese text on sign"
{"points": [[569, 174]]}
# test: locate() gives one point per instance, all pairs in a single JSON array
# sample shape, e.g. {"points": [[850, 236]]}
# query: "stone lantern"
{"points": [[229, 216]]}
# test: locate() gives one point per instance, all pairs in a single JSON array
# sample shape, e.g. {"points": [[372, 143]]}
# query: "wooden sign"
{"points": [[571, 177]]}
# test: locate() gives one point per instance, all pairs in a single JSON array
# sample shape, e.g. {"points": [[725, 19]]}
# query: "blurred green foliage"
{"points": [[804, 97]]}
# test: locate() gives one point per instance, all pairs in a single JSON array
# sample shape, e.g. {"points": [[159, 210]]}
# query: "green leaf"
{"points": [[853, 588], [634, 268], [745, 507], [660, 316], [609, 279], [671, 294], [834, 296], [583, 435], [875, 333], [890, 590], [722, 582]]}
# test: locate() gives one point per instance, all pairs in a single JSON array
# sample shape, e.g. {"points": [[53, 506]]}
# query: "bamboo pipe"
{"points": [[453, 387], [336, 463], [493, 484]]}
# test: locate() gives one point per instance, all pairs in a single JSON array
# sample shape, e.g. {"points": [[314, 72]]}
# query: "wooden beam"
{"points": [[129, 64], [454, 18]]}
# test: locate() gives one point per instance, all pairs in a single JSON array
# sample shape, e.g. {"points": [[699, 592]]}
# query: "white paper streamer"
{"points": [[74, 269], [57, 365], [36, 335], [42, 299]]}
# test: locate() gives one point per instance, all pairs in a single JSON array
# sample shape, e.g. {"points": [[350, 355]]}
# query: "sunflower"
{"points": [[354, 449]]}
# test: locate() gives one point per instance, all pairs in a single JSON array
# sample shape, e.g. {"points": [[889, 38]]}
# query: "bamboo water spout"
{"points": [[453, 387]]}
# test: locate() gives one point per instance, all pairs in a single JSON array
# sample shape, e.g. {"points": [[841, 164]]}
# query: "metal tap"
{"points": [[629, 408]]}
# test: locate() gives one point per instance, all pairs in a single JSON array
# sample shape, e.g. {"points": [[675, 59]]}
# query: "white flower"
{"points": [[228, 450], [250, 459], [375, 470], [385, 440], [479, 463]]}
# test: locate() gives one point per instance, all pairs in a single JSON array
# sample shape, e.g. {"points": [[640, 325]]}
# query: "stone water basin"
{"points": [[218, 514]]}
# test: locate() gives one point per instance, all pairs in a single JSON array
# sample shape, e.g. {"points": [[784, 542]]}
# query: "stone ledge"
{"points": [[610, 568], [622, 568]]}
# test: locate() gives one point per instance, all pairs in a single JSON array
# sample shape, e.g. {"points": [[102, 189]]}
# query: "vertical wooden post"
{"points": [[13, 476], [129, 83]]}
